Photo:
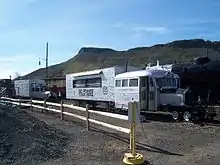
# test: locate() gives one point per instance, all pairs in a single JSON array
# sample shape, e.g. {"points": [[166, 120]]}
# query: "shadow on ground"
{"points": [[160, 117], [140, 146], [208, 122]]}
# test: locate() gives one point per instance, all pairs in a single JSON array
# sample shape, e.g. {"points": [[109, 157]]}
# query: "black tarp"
{"points": [[202, 76]]}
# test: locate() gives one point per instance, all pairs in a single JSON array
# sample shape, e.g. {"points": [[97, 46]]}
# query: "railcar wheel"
{"points": [[107, 106], [175, 115], [187, 116], [83, 104]]}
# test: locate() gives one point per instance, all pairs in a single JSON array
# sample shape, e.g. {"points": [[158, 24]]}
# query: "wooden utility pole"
{"points": [[207, 48], [47, 60], [126, 64]]}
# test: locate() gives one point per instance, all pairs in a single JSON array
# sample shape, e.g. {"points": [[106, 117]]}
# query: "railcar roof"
{"points": [[141, 73], [96, 71], [86, 73]]}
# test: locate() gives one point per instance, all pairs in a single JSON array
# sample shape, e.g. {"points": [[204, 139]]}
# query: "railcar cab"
{"points": [[137, 86], [168, 89], [166, 81], [149, 87]]}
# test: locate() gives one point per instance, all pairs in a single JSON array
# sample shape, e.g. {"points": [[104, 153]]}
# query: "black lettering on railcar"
{"points": [[80, 92], [85, 92], [105, 90]]}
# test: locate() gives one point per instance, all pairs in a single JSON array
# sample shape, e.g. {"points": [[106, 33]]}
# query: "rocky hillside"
{"points": [[93, 58]]}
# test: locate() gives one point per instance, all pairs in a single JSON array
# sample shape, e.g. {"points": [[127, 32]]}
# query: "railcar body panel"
{"points": [[135, 86], [34, 88], [95, 85]]}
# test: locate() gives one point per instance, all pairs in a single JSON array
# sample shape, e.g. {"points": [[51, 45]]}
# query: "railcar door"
{"points": [[143, 88], [152, 95]]}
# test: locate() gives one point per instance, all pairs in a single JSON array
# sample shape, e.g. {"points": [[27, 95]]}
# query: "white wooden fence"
{"points": [[61, 111]]}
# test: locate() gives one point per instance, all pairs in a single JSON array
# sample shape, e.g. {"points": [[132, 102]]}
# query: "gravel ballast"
{"points": [[161, 141], [27, 140]]}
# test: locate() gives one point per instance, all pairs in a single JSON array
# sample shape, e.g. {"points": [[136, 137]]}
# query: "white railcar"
{"points": [[134, 86], [151, 88], [28, 88], [96, 86]]}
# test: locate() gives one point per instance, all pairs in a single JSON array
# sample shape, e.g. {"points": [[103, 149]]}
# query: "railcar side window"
{"points": [[79, 83], [94, 82], [143, 82], [74, 84], [133, 82], [151, 82], [125, 83], [118, 83], [89, 83]]}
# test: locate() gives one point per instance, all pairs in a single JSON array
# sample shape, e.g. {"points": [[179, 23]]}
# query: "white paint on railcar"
{"points": [[125, 91], [30, 88], [123, 96], [103, 92], [22, 88]]}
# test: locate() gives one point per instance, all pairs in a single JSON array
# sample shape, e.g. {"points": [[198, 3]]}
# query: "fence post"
{"points": [[10, 103], [19, 102], [87, 117], [44, 105], [61, 110], [133, 118], [7, 102], [31, 104]]}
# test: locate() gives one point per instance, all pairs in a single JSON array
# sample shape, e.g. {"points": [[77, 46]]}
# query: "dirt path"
{"points": [[55, 142], [165, 142], [94, 147]]}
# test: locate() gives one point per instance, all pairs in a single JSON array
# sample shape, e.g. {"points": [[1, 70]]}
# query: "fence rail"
{"points": [[31, 103]]}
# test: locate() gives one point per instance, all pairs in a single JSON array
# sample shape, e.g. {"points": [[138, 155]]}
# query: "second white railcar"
{"points": [[28, 88]]}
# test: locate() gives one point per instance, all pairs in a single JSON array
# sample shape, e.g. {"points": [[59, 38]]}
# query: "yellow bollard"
{"points": [[133, 158]]}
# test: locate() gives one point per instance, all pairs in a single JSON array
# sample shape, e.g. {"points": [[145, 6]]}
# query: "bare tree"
{"points": [[17, 75]]}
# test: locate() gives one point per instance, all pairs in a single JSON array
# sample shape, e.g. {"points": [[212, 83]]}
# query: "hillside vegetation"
{"points": [[89, 58]]}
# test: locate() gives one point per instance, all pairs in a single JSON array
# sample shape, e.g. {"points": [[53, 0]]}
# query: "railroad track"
{"points": [[149, 116]]}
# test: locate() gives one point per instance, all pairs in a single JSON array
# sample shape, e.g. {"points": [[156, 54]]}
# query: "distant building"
{"points": [[57, 85]]}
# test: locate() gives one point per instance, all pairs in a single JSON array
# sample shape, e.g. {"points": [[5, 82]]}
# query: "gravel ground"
{"points": [[88, 148], [161, 141], [26, 140]]}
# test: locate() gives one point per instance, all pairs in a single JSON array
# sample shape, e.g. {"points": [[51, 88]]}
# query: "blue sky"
{"points": [[68, 25]]}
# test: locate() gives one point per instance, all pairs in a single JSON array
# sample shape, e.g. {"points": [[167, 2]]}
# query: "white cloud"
{"points": [[139, 29]]}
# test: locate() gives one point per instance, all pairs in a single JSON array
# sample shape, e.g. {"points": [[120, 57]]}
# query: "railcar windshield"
{"points": [[167, 82]]}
